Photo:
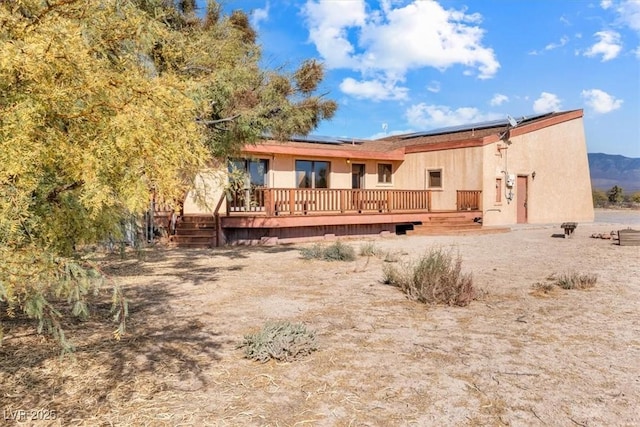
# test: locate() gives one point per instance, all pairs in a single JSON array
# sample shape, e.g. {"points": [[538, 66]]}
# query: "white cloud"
{"points": [[551, 46], [548, 102], [259, 15], [609, 45], [328, 24], [600, 101], [563, 41], [606, 4], [375, 90], [629, 13], [425, 116], [434, 87], [498, 99], [397, 38]]}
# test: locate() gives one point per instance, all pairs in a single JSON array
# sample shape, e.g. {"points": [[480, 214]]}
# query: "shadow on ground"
{"points": [[161, 353]]}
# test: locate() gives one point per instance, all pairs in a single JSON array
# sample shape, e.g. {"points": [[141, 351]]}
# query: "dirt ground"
{"points": [[515, 357]]}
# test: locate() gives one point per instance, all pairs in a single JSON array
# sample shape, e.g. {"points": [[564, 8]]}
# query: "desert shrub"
{"points": [[436, 278], [314, 252], [576, 281], [368, 249], [396, 276], [392, 256], [544, 287], [282, 341], [337, 251]]}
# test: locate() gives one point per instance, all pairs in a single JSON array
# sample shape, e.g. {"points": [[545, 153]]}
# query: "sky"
{"points": [[399, 66]]}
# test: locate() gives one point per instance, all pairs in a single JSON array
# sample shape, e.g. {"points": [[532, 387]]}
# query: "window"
{"points": [[498, 190], [312, 174], [255, 170], [435, 178], [384, 173]]}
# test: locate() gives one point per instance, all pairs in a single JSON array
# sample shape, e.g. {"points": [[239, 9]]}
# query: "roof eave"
{"points": [[344, 153]]}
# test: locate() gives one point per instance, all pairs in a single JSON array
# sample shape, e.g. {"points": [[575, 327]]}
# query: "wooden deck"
{"points": [[290, 214], [322, 201]]}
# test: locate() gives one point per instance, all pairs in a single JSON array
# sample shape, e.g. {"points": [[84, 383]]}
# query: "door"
{"points": [[357, 175], [522, 194]]}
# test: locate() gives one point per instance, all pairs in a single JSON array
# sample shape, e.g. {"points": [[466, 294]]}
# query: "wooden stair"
{"points": [[456, 225], [195, 231]]}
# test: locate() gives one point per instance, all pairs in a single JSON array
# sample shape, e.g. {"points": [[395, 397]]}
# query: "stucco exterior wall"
{"points": [[207, 190], [461, 170], [282, 171], [561, 188]]}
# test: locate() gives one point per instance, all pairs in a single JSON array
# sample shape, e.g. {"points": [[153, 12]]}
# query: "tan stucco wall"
{"points": [[203, 198], [281, 174], [282, 171], [461, 170], [561, 189]]}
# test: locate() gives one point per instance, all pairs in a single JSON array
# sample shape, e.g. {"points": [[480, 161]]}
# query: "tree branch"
{"points": [[53, 196], [215, 122]]}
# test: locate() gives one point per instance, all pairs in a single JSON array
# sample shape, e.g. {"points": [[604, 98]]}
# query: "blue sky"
{"points": [[398, 66]]}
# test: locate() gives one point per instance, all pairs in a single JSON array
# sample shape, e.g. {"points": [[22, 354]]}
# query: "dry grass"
{"points": [[576, 280], [284, 341], [337, 251], [436, 278], [508, 359]]}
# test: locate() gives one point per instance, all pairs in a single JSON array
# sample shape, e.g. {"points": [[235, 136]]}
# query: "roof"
{"points": [[319, 139], [473, 126], [394, 147]]}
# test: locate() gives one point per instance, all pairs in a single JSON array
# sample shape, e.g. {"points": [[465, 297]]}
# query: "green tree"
{"points": [[635, 197], [615, 194], [104, 103], [599, 198]]}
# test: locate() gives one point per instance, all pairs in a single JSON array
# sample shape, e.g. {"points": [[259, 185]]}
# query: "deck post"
{"points": [[268, 202], [389, 200], [292, 201], [343, 200]]}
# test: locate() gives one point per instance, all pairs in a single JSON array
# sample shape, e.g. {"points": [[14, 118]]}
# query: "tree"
{"points": [[103, 104], [599, 198], [615, 194]]}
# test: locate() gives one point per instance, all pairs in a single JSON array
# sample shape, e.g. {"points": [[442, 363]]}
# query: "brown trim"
{"points": [[541, 124], [354, 155], [537, 125]]}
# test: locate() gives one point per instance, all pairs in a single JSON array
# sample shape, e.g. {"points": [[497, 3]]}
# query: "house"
{"points": [[491, 174]]}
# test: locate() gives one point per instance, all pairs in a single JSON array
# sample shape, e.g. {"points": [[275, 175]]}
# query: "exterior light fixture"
{"points": [[533, 175]]}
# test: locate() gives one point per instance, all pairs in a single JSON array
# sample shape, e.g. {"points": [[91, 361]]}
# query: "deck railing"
{"points": [[292, 201], [468, 200]]}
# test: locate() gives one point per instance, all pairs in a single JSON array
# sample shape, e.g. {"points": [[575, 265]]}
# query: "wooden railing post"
{"points": [[389, 200], [292, 201], [268, 202]]}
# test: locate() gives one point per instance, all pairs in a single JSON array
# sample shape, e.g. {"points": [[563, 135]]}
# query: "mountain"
{"points": [[608, 170]]}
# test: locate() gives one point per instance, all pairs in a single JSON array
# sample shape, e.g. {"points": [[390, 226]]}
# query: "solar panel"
{"points": [[467, 127], [318, 139]]}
